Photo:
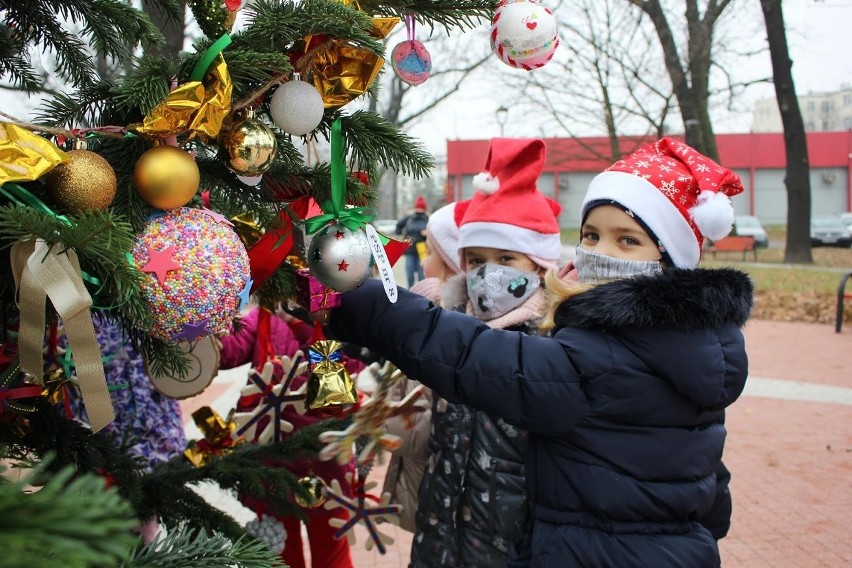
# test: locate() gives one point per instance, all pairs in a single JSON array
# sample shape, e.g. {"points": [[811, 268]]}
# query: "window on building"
{"points": [[810, 105], [847, 123], [826, 105], [826, 125], [847, 100], [810, 125]]}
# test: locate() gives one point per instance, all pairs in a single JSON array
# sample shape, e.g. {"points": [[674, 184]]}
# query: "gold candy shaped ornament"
{"points": [[329, 384]]}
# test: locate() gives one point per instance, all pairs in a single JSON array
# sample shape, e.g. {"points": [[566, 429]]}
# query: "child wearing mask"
{"points": [[408, 463], [625, 400], [472, 502]]}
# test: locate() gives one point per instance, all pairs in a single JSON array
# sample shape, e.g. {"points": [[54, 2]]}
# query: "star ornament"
{"points": [[219, 218], [161, 263], [342, 266], [192, 331]]}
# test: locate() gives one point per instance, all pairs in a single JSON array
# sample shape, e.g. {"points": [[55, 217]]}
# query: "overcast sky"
{"points": [[820, 43]]}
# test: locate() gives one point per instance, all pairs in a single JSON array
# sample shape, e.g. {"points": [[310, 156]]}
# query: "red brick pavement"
{"points": [[791, 460]]}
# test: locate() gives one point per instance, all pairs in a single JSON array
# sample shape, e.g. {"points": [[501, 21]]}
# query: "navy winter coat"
{"points": [[624, 405]]}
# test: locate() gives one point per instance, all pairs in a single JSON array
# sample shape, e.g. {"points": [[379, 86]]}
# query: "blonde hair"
{"points": [[558, 291]]}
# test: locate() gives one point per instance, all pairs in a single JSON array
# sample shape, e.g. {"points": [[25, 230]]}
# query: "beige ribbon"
{"points": [[42, 271]]}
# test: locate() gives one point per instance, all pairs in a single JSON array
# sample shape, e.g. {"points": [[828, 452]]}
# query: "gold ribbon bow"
{"points": [[43, 271]]}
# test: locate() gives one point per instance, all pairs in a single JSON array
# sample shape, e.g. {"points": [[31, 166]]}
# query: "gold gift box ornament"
{"points": [[342, 72]]}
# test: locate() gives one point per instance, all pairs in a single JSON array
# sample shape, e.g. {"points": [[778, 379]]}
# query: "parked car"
{"points": [[829, 231], [385, 226], [847, 220], [749, 226]]}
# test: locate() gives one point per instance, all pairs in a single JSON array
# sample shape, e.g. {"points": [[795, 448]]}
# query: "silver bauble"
{"points": [[340, 258]]}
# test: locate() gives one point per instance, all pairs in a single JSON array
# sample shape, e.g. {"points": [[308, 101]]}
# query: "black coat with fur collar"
{"points": [[624, 405]]}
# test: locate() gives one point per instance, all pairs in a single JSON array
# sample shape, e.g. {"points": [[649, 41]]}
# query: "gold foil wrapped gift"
{"points": [[329, 383], [217, 436], [25, 156], [192, 107], [343, 72]]}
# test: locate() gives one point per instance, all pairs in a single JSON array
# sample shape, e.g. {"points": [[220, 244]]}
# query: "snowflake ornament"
{"points": [[360, 510], [368, 423], [274, 399]]}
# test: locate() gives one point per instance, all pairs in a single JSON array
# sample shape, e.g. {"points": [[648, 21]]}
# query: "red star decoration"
{"points": [[160, 263], [339, 235], [342, 266]]}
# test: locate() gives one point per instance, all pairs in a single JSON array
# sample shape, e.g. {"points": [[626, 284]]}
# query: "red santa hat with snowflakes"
{"points": [[507, 211], [681, 196]]}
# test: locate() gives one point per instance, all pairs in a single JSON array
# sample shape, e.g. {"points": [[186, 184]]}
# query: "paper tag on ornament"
{"points": [[382, 263]]}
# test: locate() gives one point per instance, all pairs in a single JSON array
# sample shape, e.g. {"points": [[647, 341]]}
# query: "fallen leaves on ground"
{"points": [[812, 306]]}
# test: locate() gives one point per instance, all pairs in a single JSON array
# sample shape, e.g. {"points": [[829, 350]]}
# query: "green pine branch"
{"points": [[462, 14], [69, 522], [185, 547], [71, 31]]}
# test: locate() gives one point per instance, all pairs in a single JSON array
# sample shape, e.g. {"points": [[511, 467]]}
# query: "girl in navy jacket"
{"points": [[625, 401]]}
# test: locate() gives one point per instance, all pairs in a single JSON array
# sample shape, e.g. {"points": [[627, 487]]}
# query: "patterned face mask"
{"points": [[594, 267], [496, 290]]}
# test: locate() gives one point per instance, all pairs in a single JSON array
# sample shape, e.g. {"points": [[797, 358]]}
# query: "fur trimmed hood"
{"points": [[678, 298]]}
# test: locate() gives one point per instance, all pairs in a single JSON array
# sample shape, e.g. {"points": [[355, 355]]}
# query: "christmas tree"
{"points": [[160, 199]]}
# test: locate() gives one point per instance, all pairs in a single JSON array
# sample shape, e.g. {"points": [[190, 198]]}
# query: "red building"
{"points": [[759, 158]]}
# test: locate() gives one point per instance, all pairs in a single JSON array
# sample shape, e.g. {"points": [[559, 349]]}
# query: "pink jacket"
{"points": [[287, 338]]}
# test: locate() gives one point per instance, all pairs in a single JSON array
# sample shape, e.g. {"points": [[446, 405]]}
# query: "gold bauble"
{"points": [[249, 147], [84, 183], [166, 177], [316, 488]]}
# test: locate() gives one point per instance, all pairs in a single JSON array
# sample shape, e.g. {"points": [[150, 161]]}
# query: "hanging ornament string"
{"points": [[409, 26], [334, 209]]}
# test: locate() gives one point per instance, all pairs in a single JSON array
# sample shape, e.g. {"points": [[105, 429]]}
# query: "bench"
{"points": [[744, 245]]}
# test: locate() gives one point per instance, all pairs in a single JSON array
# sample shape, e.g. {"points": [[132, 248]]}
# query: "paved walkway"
{"points": [[789, 450]]}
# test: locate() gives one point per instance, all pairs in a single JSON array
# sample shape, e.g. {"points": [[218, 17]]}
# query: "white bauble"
{"points": [[523, 34], [296, 107]]}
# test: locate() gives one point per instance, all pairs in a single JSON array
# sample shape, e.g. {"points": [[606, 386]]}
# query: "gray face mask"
{"points": [[495, 290], [595, 267]]}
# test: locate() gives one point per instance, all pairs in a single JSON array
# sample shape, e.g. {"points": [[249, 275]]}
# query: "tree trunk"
{"points": [[172, 31], [797, 178]]}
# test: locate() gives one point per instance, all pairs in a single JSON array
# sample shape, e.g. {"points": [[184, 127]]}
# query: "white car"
{"points": [[847, 220], [385, 226], [749, 226]]}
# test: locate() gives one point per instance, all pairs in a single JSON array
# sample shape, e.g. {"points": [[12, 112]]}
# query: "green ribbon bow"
{"points": [[334, 209]]}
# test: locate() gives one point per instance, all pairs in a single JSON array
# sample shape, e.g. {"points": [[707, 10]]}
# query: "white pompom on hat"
{"points": [[508, 211], [680, 195]]}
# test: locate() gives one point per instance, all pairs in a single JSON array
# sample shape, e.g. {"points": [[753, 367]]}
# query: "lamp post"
{"points": [[502, 115]]}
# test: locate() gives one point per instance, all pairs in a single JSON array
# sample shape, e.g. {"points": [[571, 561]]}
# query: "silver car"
{"points": [[829, 231], [749, 226]]}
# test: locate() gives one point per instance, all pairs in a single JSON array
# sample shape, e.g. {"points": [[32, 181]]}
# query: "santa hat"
{"points": [[680, 195], [443, 230], [507, 211], [420, 203]]}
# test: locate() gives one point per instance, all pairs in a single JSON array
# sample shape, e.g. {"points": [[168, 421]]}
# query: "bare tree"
{"points": [[174, 31], [690, 72], [609, 83], [797, 177], [455, 62]]}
